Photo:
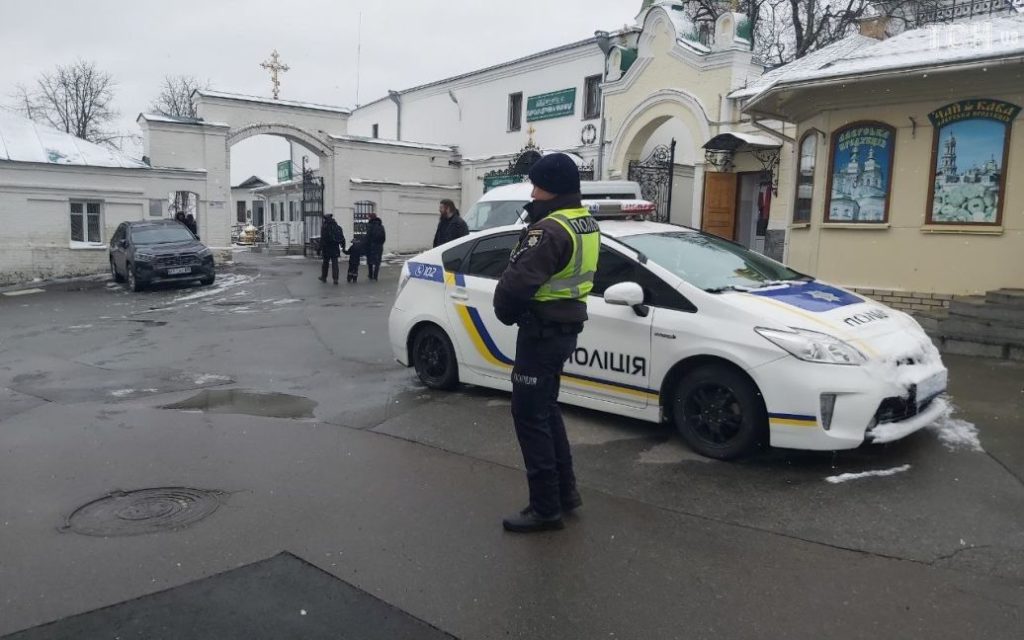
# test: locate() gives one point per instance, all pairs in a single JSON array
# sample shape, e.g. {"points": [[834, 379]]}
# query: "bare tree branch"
{"points": [[76, 98], [175, 98]]}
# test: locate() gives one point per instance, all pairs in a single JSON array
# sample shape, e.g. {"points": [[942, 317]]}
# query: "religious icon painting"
{"points": [[860, 173], [969, 157]]}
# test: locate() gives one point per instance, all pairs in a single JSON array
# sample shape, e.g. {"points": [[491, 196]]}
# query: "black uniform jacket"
{"points": [[544, 249]]}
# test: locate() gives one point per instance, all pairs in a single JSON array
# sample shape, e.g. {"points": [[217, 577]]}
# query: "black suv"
{"points": [[148, 252]]}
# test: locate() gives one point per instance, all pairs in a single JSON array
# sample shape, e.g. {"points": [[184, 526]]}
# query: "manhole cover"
{"points": [[132, 513]]}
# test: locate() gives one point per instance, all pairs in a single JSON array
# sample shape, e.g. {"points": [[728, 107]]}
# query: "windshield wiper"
{"points": [[728, 287]]}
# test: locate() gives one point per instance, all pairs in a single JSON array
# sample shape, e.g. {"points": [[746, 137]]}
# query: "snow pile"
{"points": [[846, 477], [223, 284], [956, 433], [288, 301]]}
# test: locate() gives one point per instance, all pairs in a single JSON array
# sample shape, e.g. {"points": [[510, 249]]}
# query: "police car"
{"points": [[734, 349]]}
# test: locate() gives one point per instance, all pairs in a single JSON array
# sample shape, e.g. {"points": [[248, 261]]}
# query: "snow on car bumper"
{"points": [[865, 398]]}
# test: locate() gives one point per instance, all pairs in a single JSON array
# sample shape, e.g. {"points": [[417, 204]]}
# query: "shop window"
{"points": [[86, 221], [970, 147], [806, 162], [860, 173]]}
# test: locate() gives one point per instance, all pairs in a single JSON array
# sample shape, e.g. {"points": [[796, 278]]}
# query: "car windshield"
{"points": [[162, 235], [494, 213], [710, 263]]}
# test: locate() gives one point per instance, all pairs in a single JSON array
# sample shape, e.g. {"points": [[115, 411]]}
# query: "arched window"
{"points": [[806, 162], [860, 173]]}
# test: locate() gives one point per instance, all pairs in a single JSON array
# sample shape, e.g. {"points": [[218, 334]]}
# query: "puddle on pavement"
{"points": [[249, 403]]}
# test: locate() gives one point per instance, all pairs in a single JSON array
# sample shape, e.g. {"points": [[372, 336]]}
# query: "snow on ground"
{"points": [[846, 477], [956, 433], [207, 378], [223, 284]]}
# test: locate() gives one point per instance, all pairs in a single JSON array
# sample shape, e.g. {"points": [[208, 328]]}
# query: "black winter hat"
{"points": [[556, 173]]}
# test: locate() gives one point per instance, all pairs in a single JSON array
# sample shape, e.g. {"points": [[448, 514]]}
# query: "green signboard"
{"points": [[284, 171], [499, 181], [546, 106]]}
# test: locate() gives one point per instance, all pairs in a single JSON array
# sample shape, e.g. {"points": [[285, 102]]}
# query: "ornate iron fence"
{"points": [[953, 10]]}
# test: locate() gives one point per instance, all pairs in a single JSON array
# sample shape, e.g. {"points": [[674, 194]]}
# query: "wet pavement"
{"points": [[277, 397]]}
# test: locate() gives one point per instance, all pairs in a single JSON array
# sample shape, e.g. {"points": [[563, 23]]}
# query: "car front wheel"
{"points": [[720, 412], [434, 358], [133, 282]]}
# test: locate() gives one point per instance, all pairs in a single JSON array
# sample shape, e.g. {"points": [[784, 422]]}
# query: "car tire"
{"points": [[433, 357], [208, 281], [719, 412], [113, 272], [133, 282]]}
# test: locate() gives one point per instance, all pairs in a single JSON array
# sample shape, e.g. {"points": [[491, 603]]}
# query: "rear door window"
{"points": [[490, 256]]}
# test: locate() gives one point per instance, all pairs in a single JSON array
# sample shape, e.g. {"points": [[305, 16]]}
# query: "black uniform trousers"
{"points": [[536, 379], [333, 262], [373, 259]]}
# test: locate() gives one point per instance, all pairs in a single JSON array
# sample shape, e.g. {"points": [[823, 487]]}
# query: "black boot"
{"points": [[570, 502], [529, 522]]}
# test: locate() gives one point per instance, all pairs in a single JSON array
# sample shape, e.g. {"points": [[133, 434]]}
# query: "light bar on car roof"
{"points": [[622, 209]]}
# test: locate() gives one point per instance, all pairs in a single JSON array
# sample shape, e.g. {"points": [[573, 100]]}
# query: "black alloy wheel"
{"points": [[434, 358], [719, 412]]}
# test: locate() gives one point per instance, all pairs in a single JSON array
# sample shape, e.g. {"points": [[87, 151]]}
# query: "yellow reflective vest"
{"points": [[576, 279]]}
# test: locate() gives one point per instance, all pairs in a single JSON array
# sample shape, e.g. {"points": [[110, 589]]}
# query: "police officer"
{"points": [[544, 290]]}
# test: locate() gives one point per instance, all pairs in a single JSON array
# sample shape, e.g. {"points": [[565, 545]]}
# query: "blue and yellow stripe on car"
{"points": [[792, 420], [489, 351]]}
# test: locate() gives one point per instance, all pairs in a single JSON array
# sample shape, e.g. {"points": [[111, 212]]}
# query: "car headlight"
{"points": [[403, 280], [811, 346], [205, 252], [144, 257]]}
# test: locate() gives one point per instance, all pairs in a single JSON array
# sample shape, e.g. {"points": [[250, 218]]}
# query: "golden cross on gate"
{"points": [[274, 66]]}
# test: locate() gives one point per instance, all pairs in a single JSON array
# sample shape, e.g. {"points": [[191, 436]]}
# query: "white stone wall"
{"points": [[35, 213], [237, 112], [481, 127]]}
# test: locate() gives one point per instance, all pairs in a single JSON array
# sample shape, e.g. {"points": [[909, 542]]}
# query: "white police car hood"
{"points": [[880, 332]]}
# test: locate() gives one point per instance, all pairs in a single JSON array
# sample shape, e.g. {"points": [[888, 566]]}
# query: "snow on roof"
{"points": [[287, 103], [810, 62], [22, 140], [395, 143], [160, 117], [928, 47], [749, 139], [396, 183]]}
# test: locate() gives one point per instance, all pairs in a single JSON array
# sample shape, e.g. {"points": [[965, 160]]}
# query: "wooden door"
{"points": [[719, 215]]}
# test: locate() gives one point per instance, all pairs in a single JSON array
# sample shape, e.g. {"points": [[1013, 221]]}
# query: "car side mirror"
{"points": [[627, 294]]}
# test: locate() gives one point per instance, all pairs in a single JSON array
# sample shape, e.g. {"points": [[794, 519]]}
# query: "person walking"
{"points": [[375, 239], [451, 225], [190, 222], [355, 252], [544, 290], [332, 243]]}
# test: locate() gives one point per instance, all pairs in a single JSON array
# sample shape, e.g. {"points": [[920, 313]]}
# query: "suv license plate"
{"points": [[177, 271]]}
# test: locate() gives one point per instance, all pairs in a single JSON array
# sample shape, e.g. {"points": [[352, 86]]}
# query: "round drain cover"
{"points": [[132, 513]]}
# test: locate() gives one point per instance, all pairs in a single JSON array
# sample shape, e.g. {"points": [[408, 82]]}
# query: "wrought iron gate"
{"points": [[312, 211], [654, 174]]}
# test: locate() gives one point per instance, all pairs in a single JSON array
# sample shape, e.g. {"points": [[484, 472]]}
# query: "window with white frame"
{"points": [[592, 98], [86, 221], [292, 214], [515, 111]]}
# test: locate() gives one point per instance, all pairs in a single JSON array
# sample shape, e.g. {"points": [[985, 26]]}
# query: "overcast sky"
{"points": [[404, 43]]}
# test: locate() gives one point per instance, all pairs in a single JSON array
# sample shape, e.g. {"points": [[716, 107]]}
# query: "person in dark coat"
{"points": [[190, 222], [358, 248], [451, 225], [375, 238], [332, 243], [180, 217]]}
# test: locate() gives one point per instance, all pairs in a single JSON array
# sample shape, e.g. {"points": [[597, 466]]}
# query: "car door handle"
{"points": [[667, 336], [458, 295]]}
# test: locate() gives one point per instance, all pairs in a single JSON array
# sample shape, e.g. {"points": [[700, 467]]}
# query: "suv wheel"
{"points": [[133, 282], [719, 412]]}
